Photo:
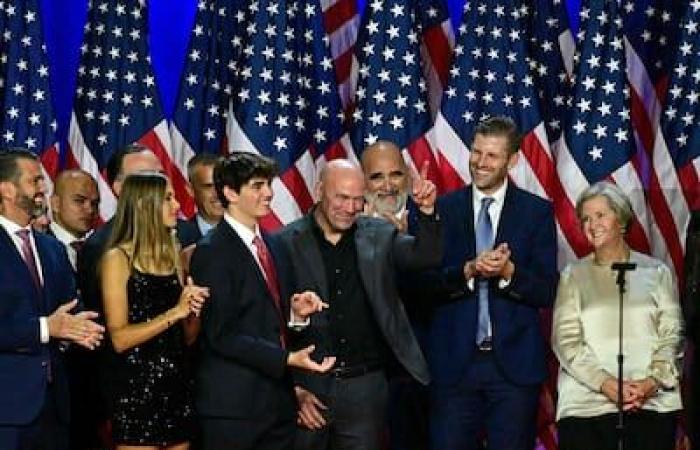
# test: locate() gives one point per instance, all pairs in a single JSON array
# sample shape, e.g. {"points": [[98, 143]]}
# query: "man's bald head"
{"points": [[340, 193], [387, 177], [75, 201]]}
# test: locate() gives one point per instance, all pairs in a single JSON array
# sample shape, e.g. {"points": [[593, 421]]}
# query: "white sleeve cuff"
{"points": [[43, 330], [296, 324]]}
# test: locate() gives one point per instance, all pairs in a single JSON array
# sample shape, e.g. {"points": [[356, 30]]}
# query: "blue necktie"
{"points": [[484, 241]]}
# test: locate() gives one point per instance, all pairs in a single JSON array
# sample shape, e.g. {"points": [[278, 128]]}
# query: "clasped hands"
{"points": [[79, 328], [634, 393], [491, 263], [303, 305]]}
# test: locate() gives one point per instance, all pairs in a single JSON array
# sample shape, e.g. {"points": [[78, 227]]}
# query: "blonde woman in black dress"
{"points": [[150, 318]]}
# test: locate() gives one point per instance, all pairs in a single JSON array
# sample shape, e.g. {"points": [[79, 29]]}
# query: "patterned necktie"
{"points": [[28, 257], [268, 268], [484, 241]]}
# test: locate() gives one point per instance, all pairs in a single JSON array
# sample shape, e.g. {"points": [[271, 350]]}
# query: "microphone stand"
{"points": [[621, 269]]}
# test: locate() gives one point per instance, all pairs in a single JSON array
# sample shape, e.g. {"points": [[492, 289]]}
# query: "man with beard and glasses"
{"points": [[37, 314]]}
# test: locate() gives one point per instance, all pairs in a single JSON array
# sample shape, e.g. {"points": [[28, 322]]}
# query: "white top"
{"points": [[585, 334]]}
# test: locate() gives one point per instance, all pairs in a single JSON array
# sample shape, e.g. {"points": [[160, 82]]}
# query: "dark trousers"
{"points": [[277, 433], [355, 416], [644, 430], [407, 414], [46, 432], [484, 400]]}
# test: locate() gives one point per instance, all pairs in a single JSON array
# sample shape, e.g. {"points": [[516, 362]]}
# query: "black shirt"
{"points": [[355, 335]]}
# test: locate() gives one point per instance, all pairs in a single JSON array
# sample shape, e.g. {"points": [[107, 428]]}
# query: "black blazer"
{"points": [[381, 250], [691, 292], [242, 371]]}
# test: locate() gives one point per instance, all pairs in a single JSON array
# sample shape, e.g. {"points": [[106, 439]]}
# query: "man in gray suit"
{"points": [[350, 261]]}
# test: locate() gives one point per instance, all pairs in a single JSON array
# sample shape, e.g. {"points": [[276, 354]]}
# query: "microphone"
{"points": [[624, 266], [621, 268]]}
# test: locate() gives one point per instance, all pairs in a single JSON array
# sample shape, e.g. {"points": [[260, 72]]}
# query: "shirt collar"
{"points": [[11, 227], [245, 233], [203, 225], [62, 234], [498, 196]]}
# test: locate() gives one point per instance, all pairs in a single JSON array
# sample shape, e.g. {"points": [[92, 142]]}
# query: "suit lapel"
{"points": [[509, 217], [240, 247], [468, 219], [366, 260], [306, 246], [16, 261]]}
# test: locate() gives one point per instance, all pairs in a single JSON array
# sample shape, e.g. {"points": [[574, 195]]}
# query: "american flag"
{"points": [[341, 20], [681, 135], [651, 31], [604, 134], [199, 120], [116, 101], [27, 118], [391, 100], [286, 103]]}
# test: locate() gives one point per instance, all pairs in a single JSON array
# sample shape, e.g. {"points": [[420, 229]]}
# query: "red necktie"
{"points": [[268, 268], [28, 257]]}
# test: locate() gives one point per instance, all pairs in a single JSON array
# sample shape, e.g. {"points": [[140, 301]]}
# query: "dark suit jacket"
{"points": [[691, 292], [527, 225], [23, 358], [381, 250], [188, 231], [242, 370]]}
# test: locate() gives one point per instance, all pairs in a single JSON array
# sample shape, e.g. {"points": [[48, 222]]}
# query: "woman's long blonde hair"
{"points": [[138, 224]]}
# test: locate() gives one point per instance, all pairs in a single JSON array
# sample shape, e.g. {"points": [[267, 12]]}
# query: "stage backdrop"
{"points": [[170, 22]]}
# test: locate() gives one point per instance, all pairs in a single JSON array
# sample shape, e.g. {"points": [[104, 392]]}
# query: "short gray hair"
{"points": [[617, 200]]}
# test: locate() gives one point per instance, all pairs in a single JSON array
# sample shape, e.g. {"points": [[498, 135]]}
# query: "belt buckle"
{"points": [[485, 346]]}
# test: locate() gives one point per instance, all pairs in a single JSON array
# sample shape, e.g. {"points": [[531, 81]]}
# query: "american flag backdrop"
{"points": [[27, 118], [391, 100], [303, 81], [117, 101], [199, 120], [286, 103]]}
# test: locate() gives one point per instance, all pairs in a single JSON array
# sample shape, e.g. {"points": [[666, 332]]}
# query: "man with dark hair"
{"points": [[38, 296], [243, 391], [200, 172], [351, 261], [486, 352]]}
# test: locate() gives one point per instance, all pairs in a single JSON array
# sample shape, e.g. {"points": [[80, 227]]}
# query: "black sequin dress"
{"points": [[152, 388]]}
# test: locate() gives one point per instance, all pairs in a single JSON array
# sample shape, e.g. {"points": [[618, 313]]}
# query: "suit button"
{"points": [[343, 340], [44, 363]]}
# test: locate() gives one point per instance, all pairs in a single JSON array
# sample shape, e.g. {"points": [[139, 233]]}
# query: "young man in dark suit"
{"points": [[38, 296], [486, 351], [351, 262], [244, 393]]}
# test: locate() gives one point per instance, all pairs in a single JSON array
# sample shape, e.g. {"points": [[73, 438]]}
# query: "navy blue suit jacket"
{"points": [[527, 225], [242, 372], [23, 358]]}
